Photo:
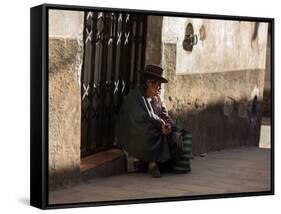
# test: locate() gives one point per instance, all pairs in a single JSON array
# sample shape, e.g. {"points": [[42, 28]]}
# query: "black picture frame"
{"points": [[39, 119]]}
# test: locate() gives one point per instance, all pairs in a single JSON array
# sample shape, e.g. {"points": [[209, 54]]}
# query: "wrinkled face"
{"points": [[153, 88]]}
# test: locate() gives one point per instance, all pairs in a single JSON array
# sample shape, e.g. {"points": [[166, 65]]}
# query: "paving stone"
{"points": [[245, 169]]}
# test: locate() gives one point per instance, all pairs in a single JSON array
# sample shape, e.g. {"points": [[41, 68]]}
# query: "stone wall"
{"points": [[153, 41], [65, 59], [220, 109], [219, 43], [267, 82], [219, 102]]}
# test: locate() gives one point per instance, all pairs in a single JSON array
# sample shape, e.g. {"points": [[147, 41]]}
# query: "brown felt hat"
{"points": [[154, 71]]}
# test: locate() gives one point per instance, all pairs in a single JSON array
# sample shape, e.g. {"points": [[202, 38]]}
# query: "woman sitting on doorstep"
{"points": [[144, 129]]}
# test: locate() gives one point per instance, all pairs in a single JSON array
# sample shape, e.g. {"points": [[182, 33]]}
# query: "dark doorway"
{"points": [[114, 53]]}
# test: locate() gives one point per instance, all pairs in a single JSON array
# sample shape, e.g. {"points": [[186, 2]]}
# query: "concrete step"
{"points": [[102, 164]]}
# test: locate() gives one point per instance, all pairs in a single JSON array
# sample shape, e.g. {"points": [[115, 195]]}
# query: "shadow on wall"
{"points": [[266, 110], [217, 126], [63, 178], [267, 80], [222, 109]]}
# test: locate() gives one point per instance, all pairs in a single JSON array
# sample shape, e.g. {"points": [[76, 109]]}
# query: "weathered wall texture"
{"points": [[218, 108], [65, 58], [153, 40], [267, 82], [220, 100], [219, 42], [66, 24]]}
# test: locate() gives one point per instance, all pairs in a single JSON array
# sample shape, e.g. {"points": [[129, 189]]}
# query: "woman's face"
{"points": [[153, 88]]}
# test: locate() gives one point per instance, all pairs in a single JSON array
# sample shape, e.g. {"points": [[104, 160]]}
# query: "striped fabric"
{"points": [[183, 164]]}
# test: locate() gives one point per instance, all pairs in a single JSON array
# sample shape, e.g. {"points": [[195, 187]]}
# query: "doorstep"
{"points": [[102, 164]]}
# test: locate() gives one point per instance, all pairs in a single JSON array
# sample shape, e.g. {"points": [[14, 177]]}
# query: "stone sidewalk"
{"points": [[244, 169]]}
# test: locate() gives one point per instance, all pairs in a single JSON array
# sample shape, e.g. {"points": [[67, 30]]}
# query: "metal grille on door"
{"points": [[114, 53]]}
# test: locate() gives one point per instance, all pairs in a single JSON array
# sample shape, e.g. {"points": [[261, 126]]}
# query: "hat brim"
{"points": [[161, 79]]}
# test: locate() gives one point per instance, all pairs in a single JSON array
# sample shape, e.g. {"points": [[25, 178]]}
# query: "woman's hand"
{"points": [[166, 128], [163, 126]]}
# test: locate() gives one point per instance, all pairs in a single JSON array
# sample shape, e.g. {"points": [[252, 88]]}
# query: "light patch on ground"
{"points": [[265, 136]]}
